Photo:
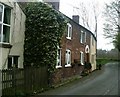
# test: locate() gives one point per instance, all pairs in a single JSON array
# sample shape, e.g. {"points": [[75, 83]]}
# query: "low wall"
{"points": [[63, 73]]}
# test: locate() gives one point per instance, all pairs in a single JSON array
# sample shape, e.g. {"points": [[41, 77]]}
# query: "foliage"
{"points": [[104, 56], [44, 29], [112, 26], [104, 61], [117, 41]]}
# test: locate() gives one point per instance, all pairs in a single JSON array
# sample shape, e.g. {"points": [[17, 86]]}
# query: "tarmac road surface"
{"points": [[101, 82]]}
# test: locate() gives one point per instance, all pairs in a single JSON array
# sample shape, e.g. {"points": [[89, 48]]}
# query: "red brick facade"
{"points": [[76, 47]]}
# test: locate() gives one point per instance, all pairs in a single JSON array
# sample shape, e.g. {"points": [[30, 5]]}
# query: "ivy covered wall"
{"points": [[44, 29]]}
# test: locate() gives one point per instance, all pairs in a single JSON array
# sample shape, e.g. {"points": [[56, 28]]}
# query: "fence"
{"points": [[24, 81], [35, 79]]}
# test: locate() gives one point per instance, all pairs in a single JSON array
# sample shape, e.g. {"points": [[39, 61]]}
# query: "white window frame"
{"points": [[58, 60], [68, 58], [82, 58], [69, 31], [3, 24], [83, 37]]}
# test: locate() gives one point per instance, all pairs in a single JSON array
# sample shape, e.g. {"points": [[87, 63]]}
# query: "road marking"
{"points": [[106, 92]]}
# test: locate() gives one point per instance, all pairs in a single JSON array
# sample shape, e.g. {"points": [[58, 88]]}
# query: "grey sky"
{"points": [[70, 7]]}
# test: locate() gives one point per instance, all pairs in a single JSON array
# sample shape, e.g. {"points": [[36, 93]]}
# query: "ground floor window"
{"points": [[82, 58], [12, 62], [68, 58], [58, 65]]}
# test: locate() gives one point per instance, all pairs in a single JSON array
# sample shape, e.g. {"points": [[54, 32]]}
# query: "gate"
{"points": [[24, 81], [12, 82]]}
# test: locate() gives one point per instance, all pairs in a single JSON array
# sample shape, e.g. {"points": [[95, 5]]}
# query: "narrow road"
{"points": [[101, 82]]}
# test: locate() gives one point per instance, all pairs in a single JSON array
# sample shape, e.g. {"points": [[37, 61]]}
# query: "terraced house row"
{"points": [[78, 44]]}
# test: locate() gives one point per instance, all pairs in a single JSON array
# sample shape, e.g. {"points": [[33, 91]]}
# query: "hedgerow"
{"points": [[44, 30]]}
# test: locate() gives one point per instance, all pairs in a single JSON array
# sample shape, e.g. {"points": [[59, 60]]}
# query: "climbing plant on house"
{"points": [[44, 29]]}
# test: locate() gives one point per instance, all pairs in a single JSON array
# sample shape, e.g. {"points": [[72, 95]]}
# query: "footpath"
{"points": [[75, 78]]}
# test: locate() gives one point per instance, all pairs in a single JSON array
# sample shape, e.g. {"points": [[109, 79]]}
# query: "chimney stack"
{"points": [[76, 18], [55, 3]]}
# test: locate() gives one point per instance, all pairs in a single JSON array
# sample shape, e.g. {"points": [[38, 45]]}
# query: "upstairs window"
{"points": [[68, 58], [83, 37], [5, 15], [69, 31]]}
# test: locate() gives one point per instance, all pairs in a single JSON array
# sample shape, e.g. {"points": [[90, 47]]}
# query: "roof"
{"points": [[78, 24], [21, 5]]}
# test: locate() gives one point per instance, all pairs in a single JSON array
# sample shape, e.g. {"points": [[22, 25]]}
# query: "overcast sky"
{"points": [[72, 7]]}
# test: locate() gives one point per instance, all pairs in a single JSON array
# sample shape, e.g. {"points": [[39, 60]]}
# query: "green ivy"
{"points": [[44, 30]]}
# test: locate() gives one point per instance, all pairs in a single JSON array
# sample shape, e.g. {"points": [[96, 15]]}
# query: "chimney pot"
{"points": [[76, 18]]}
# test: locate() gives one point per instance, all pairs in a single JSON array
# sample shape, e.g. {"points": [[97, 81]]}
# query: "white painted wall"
{"points": [[93, 53], [16, 35]]}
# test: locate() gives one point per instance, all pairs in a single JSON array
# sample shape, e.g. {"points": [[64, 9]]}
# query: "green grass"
{"points": [[103, 61]]}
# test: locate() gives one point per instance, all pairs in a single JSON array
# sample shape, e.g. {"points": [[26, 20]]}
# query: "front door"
{"points": [[87, 53]]}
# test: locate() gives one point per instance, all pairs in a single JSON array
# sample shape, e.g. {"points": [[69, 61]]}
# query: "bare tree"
{"points": [[97, 12], [89, 15], [112, 25], [84, 14]]}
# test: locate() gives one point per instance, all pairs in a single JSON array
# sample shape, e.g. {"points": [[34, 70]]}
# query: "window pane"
{"points": [[1, 11], [82, 57], [70, 31], [6, 33], [16, 62], [69, 58], [66, 58], [7, 15], [0, 32], [58, 57], [58, 53], [83, 37], [67, 30], [10, 62]]}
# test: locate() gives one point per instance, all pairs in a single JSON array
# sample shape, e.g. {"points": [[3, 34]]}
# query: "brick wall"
{"points": [[65, 73], [75, 46]]}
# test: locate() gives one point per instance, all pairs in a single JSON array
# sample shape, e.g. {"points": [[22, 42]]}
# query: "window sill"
{"points": [[68, 65], [58, 67], [68, 38], [5, 45], [82, 64], [82, 42]]}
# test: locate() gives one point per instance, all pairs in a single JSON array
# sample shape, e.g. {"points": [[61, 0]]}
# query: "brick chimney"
{"points": [[55, 3], [76, 18]]}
